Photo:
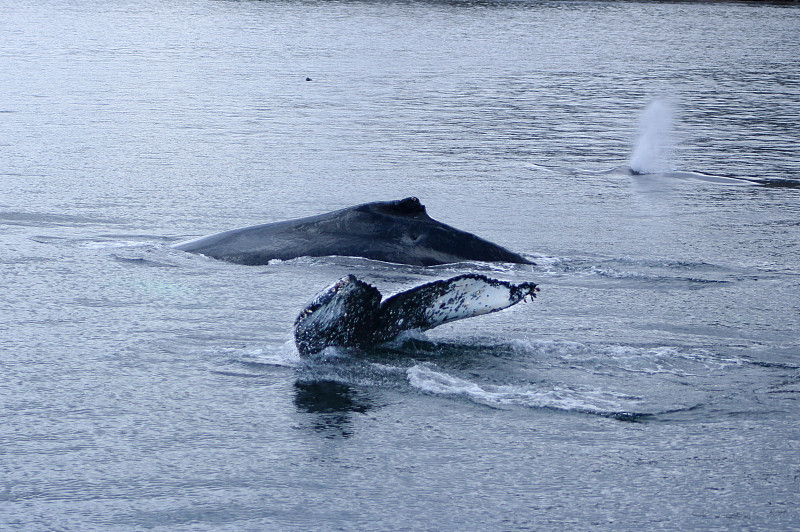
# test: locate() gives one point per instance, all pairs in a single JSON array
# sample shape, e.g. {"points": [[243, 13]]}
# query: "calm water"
{"points": [[654, 384]]}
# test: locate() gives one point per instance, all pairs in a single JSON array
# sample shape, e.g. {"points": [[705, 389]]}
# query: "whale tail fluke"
{"points": [[347, 314], [433, 304]]}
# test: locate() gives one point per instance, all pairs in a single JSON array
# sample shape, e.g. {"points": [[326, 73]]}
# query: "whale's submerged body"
{"points": [[350, 312], [392, 231]]}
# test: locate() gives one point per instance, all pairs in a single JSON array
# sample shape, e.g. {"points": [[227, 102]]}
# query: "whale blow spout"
{"points": [[655, 131]]}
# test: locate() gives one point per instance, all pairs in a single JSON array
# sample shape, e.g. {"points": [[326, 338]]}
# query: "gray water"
{"points": [[652, 385]]}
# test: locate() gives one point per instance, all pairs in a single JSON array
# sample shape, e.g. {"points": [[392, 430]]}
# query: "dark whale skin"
{"points": [[397, 231]]}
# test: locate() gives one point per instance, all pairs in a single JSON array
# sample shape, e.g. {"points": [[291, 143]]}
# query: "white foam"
{"points": [[582, 399], [424, 378], [631, 359], [284, 355]]}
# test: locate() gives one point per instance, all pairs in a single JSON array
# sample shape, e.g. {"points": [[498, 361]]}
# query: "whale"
{"points": [[351, 313], [398, 231]]}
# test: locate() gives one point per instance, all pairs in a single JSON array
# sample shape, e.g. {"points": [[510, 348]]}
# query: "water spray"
{"points": [[654, 143]]}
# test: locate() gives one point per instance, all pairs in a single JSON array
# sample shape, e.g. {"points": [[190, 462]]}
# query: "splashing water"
{"points": [[655, 132]]}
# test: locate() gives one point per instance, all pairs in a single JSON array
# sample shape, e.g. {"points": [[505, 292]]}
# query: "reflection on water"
{"points": [[332, 402]]}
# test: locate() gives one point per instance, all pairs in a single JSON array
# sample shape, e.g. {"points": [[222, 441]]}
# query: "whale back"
{"points": [[397, 231]]}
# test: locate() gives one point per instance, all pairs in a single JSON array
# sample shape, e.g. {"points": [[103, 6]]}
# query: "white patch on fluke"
{"points": [[329, 311], [468, 297]]}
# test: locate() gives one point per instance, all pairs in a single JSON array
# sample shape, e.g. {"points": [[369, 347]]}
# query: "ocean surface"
{"points": [[652, 385]]}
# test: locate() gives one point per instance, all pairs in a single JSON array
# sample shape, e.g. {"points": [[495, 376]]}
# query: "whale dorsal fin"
{"points": [[407, 207], [433, 304]]}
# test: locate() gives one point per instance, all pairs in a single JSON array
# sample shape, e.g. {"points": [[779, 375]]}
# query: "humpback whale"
{"points": [[397, 231], [350, 313]]}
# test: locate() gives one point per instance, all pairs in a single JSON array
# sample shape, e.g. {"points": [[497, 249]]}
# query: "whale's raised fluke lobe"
{"points": [[397, 231], [350, 313]]}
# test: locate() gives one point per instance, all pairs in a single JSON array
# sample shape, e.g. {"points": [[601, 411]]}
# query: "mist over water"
{"points": [[654, 145]]}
